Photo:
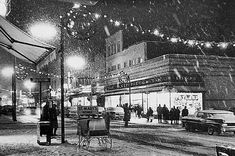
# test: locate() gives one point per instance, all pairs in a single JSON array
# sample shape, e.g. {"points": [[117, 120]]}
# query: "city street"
{"points": [[140, 138]]}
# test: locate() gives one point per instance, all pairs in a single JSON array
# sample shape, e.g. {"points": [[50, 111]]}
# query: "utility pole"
{"points": [[14, 90], [62, 77]]}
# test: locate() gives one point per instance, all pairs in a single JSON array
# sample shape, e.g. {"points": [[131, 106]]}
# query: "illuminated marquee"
{"points": [[188, 79]]}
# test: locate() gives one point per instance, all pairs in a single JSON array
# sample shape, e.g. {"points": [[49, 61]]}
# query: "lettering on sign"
{"points": [[87, 110], [189, 79]]}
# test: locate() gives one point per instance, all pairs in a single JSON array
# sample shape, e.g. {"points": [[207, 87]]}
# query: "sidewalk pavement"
{"points": [[33, 119]]}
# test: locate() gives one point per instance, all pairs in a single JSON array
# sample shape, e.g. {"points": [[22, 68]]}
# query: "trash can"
{"points": [[225, 150], [44, 130]]}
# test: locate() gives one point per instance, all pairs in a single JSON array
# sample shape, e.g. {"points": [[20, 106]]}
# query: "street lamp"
{"points": [[75, 62], [5, 7], [29, 85], [49, 31]]}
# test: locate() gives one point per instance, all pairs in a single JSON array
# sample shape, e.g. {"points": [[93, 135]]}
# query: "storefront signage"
{"points": [[87, 110], [183, 79], [193, 101]]}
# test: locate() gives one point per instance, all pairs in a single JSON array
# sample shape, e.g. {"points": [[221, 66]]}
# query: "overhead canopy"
{"points": [[20, 44]]}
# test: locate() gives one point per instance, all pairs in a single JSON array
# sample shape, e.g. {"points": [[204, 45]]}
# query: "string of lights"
{"points": [[74, 15]]}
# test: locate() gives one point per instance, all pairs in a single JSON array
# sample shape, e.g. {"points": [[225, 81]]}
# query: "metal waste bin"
{"points": [[225, 150], [44, 130]]}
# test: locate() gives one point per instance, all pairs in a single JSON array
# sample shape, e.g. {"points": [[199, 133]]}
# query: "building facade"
{"points": [[159, 76]]}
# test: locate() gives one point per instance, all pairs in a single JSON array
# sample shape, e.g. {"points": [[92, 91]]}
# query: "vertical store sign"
{"points": [[193, 101]]}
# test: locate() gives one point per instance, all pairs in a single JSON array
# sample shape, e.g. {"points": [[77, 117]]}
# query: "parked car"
{"points": [[116, 113], [219, 121]]}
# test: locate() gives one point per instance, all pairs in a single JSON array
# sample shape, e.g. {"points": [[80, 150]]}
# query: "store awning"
{"points": [[22, 45]]}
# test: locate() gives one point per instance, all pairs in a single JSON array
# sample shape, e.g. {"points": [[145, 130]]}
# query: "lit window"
{"points": [[118, 46], [114, 49], [118, 66], [130, 62], [125, 64], [139, 60]]}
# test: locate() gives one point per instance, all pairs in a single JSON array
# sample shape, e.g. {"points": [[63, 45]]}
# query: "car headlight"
{"points": [[224, 125]]}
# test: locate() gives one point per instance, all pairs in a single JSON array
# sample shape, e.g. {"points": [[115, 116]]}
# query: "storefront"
{"points": [[168, 89]]}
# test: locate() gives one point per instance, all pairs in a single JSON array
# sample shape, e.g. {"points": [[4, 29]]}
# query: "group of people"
{"points": [[164, 114], [49, 113]]}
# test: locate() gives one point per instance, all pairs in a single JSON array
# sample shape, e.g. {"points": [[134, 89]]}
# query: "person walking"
{"points": [[107, 118], [177, 115], [45, 116], [127, 114], [159, 113], [165, 113], [172, 115], [53, 118], [139, 111], [149, 115], [185, 111]]}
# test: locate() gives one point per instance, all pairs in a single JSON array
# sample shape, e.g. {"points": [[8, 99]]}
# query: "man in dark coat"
{"points": [[177, 115], [173, 115], [185, 111], [165, 113], [139, 111], [127, 114], [149, 114], [53, 118], [159, 113], [46, 129]]}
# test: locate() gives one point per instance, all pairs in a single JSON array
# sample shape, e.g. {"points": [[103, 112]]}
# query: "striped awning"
{"points": [[22, 45]]}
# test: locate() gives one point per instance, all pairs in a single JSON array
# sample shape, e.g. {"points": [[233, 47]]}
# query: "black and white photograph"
{"points": [[117, 78]]}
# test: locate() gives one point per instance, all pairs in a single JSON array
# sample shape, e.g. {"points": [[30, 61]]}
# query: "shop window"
{"points": [[139, 60], [113, 68], [109, 51], [130, 63], [125, 64], [133, 62], [118, 46], [109, 69], [118, 66], [114, 49]]}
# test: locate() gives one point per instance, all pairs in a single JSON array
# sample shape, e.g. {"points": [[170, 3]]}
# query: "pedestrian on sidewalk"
{"points": [[53, 118], [127, 114], [46, 116], [185, 111], [159, 113], [149, 115], [172, 115], [139, 111], [165, 113], [177, 115]]}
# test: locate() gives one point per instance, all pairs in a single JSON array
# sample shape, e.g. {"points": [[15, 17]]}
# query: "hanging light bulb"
{"points": [[223, 45], [174, 39], [208, 45], [156, 32]]}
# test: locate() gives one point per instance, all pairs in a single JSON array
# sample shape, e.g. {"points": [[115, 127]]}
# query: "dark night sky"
{"points": [[206, 20]]}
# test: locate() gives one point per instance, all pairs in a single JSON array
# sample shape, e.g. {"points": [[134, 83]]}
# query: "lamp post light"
{"points": [[5, 7], [29, 85]]}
